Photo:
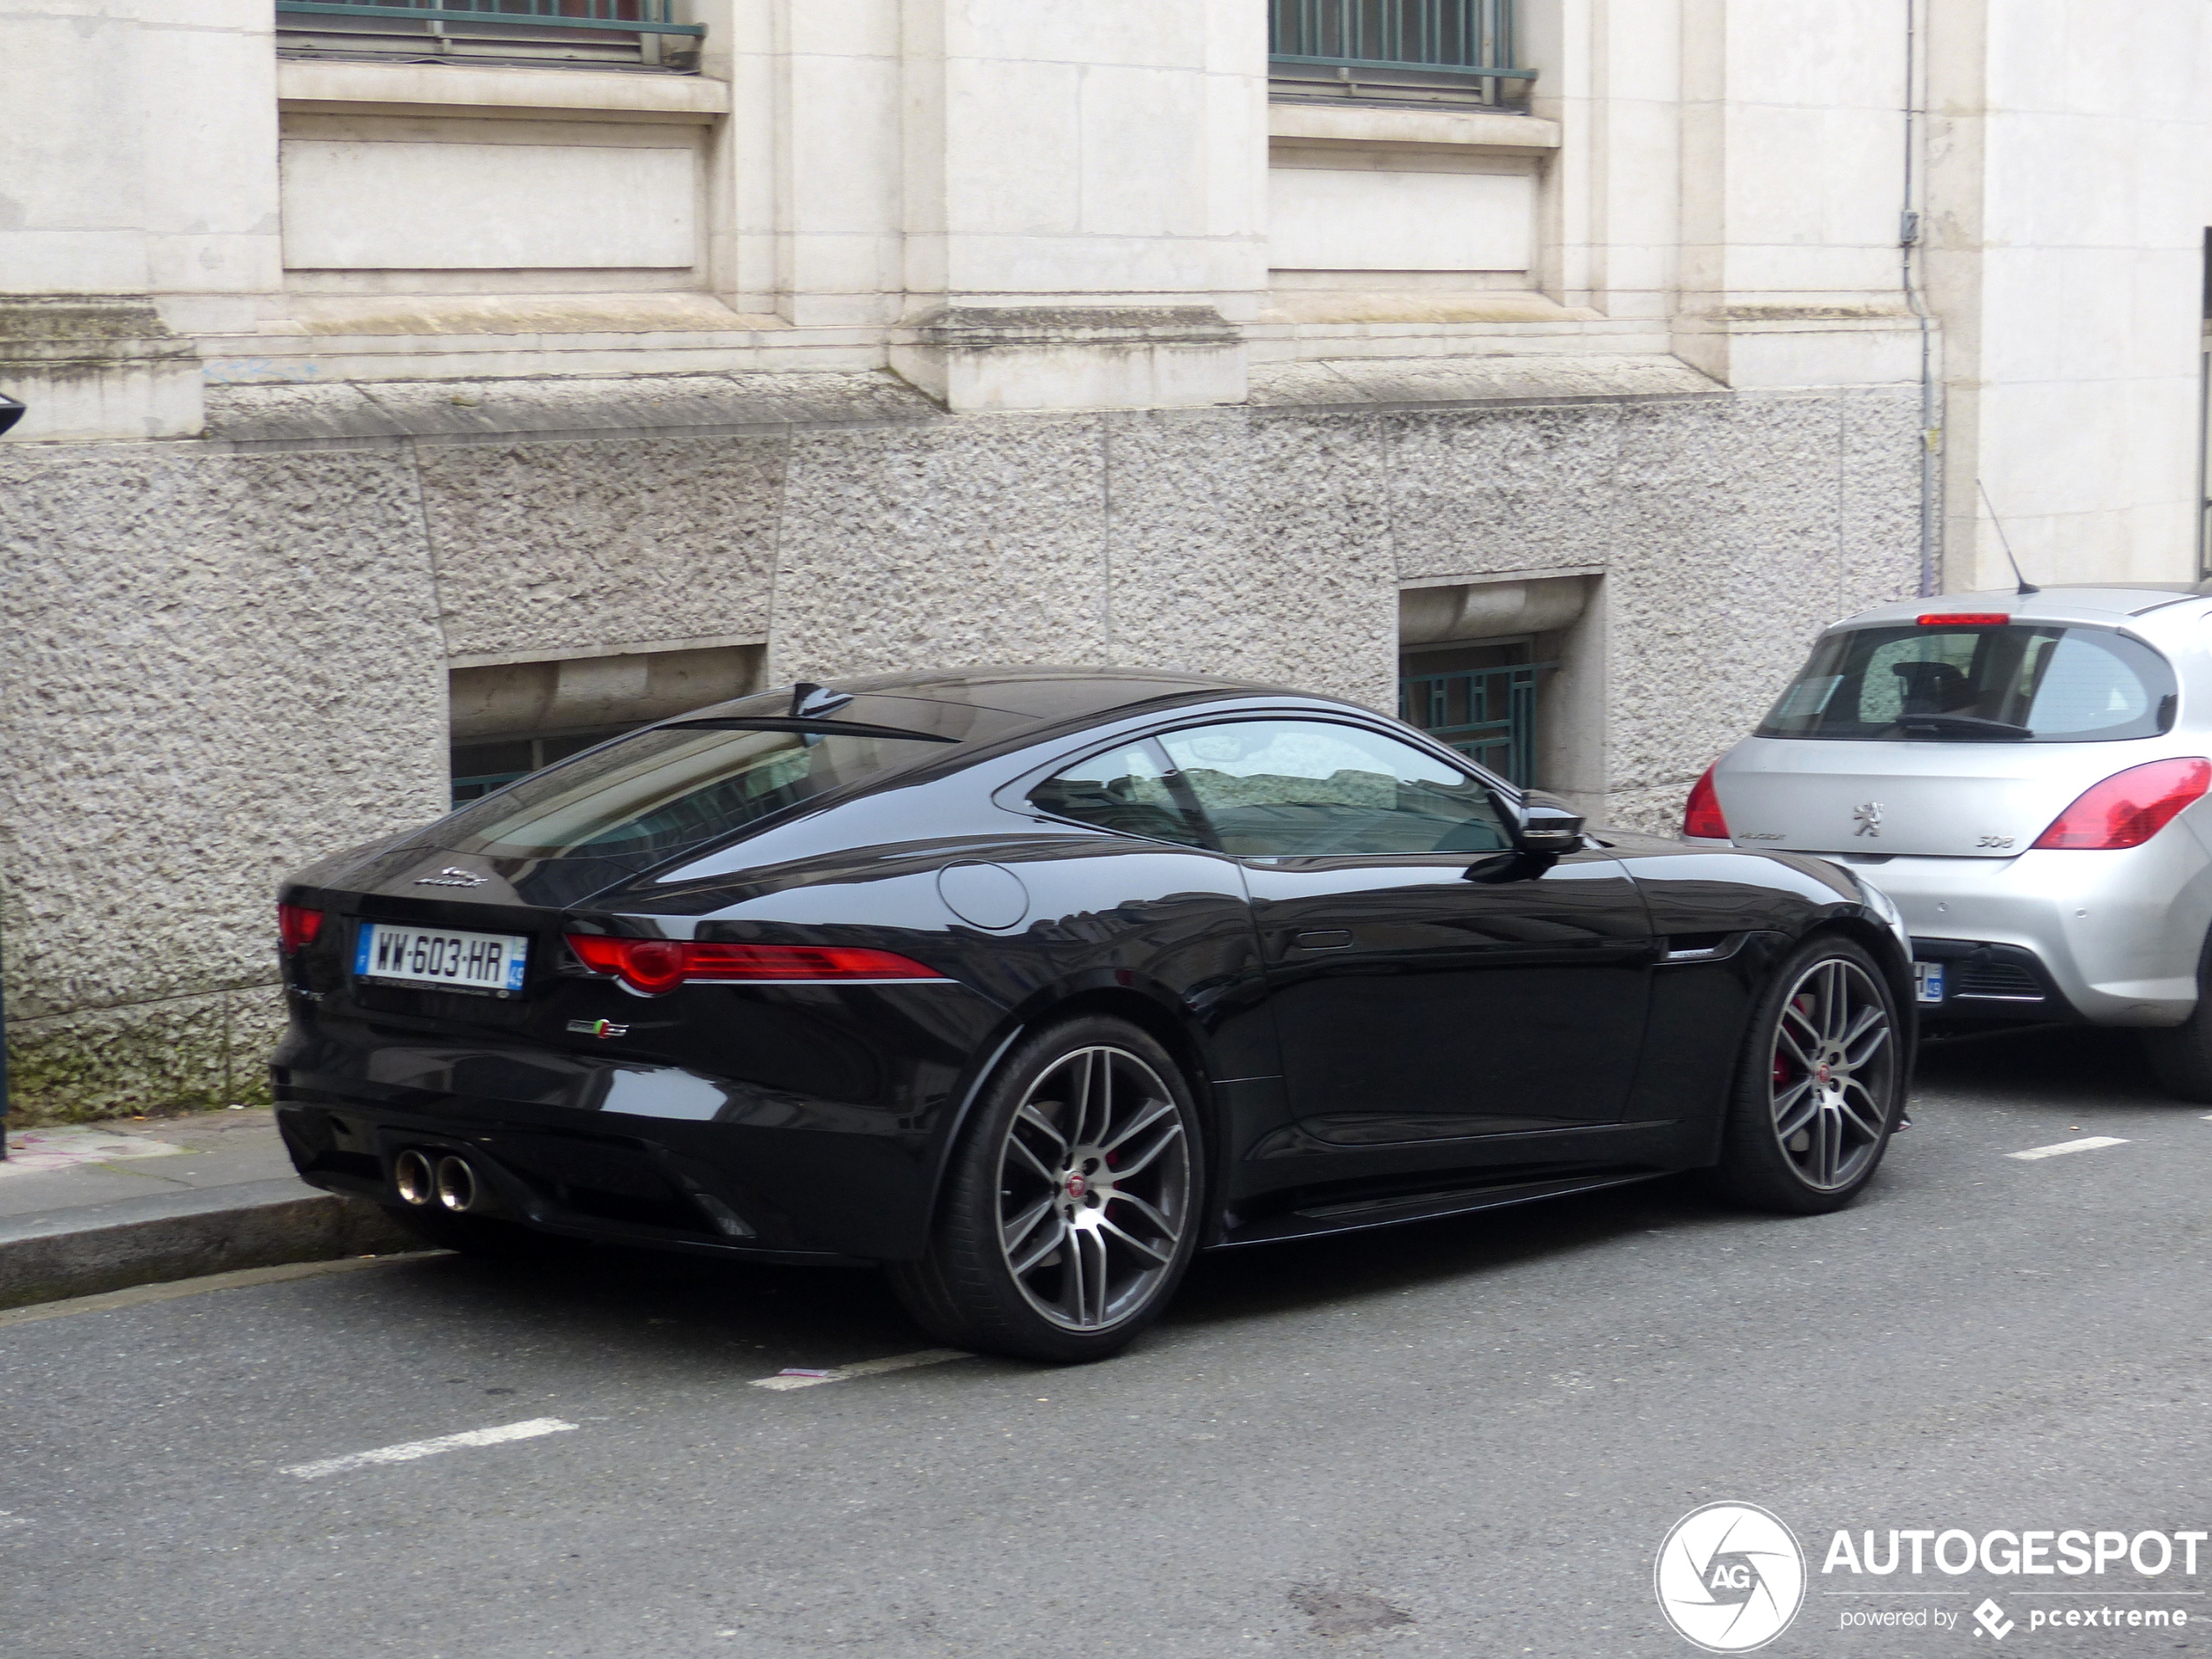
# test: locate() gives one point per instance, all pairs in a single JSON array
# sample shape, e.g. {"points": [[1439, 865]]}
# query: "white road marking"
{"points": [[408, 1450], [867, 1368], [2088, 1143]]}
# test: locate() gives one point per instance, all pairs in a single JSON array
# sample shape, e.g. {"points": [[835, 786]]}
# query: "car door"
{"points": [[1428, 982]]}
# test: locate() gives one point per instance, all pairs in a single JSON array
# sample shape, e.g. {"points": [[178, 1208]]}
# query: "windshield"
{"points": [[2032, 682], [644, 799]]}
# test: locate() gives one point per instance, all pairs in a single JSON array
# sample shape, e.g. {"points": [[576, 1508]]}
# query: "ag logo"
{"points": [[1730, 1577]]}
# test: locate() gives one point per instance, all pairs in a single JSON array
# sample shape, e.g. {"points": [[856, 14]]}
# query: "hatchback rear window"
{"points": [[2017, 683], [644, 799]]}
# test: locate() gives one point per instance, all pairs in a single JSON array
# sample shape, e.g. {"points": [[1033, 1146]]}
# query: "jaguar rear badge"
{"points": [[598, 1029], [449, 877], [1869, 814]]}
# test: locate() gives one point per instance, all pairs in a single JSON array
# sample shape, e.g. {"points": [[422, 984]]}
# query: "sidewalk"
{"points": [[103, 1206]]}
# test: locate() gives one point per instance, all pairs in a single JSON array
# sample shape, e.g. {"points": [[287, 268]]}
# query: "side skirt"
{"points": [[1320, 1220]]}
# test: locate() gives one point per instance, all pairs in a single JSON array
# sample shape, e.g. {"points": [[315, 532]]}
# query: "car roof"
{"points": [[2086, 602]]}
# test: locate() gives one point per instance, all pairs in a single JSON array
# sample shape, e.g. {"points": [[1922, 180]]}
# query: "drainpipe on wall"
{"points": [[1910, 236], [10, 412]]}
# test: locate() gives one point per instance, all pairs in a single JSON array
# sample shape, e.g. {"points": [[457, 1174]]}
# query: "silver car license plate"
{"points": [[441, 956], [1927, 981]]}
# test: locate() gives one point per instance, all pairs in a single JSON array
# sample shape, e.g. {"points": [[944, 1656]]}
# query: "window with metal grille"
{"points": [[1397, 48], [604, 34], [1484, 710]]}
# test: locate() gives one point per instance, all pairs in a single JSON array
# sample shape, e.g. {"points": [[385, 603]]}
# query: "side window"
{"points": [[1288, 788], [1125, 789]]}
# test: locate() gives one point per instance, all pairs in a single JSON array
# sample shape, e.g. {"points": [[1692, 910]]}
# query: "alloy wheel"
{"points": [[1834, 1069], [1094, 1186]]}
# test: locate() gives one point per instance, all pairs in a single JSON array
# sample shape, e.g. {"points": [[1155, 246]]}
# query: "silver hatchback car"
{"points": [[2025, 775]]}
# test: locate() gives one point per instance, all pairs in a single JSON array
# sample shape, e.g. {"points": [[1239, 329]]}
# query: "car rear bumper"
{"points": [[2113, 938], [801, 1193], [1981, 981]]}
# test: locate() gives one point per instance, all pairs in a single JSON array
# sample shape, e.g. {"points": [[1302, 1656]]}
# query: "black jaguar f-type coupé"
{"points": [[1028, 984]]}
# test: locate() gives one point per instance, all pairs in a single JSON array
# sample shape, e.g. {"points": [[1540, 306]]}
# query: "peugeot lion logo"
{"points": [[1730, 1577], [1869, 814]]}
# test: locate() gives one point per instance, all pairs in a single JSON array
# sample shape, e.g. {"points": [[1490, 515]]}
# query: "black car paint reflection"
{"points": [[1371, 1037]]}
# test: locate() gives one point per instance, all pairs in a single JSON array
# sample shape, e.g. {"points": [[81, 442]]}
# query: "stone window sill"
{"points": [[398, 89], [1323, 123]]}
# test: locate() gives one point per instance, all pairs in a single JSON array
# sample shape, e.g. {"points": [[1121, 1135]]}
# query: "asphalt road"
{"points": [[1465, 1438]]}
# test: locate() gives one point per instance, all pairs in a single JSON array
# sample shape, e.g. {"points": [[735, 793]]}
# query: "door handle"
{"points": [[1323, 938]]}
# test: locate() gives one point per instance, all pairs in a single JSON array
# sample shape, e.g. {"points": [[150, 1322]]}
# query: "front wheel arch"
{"points": [[1758, 1162], [1878, 941]]}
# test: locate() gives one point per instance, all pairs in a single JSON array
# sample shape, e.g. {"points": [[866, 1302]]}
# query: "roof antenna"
{"points": [[2026, 587]]}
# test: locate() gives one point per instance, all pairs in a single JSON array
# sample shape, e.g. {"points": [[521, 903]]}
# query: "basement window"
{"points": [[510, 719]]}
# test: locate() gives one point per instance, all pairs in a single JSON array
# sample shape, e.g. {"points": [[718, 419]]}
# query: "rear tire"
{"points": [[1820, 1087], [2180, 1055], [1071, 1208]]}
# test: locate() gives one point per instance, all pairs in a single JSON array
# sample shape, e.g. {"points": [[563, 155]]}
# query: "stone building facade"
{"points": [[411, 396]]}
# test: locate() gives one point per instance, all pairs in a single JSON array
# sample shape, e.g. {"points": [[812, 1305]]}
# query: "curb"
{"points": [[151, 1241]]}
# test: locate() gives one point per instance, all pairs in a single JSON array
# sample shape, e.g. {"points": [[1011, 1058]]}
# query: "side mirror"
{"points": [[1549, 825], [10, 411]]}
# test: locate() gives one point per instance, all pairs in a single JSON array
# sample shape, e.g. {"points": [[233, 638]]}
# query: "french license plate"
{"points": [[1927, 979], [440, 957]]}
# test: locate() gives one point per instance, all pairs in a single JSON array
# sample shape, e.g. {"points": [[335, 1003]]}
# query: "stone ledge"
{"points": [[1452, 129], [93, 367], [988, 327], [631, 406], [400, 88], [1399, 381]]}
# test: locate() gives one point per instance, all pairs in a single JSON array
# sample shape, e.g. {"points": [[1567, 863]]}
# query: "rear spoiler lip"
{"points": [[820, 726]]}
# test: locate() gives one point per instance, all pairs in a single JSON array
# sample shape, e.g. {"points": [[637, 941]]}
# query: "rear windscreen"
{"points": [[2018, 683], [644, 799]]}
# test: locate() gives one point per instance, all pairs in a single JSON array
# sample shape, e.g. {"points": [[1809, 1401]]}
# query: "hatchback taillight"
{"points": [[297, 925], [654, 966], [2128, 807], [1702, 818]]}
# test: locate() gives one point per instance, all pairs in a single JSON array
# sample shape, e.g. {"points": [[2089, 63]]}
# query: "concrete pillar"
{"points": [[1084, 191], [1792, 186], [2070, 188], [137, 202], [1611, 76]]}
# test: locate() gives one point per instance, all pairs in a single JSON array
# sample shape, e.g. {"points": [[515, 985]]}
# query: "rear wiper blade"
{"points": [[820, 726], [1963, 725]]}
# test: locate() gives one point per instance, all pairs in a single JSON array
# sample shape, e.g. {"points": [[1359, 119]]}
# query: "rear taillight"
{"points": [[297, 925], [1702, 818], [654, 966], [2128, 807]]}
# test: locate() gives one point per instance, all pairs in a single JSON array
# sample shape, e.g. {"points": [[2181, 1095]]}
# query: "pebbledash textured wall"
{"points": [[226, 657]]}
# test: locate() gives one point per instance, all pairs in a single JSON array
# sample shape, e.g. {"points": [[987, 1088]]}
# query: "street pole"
{"points": [[10, 412]]}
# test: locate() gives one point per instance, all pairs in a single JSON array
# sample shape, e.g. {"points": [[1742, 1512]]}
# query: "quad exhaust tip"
{"points": [[412, 1174], [423, 1179], [457, 1188]]}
